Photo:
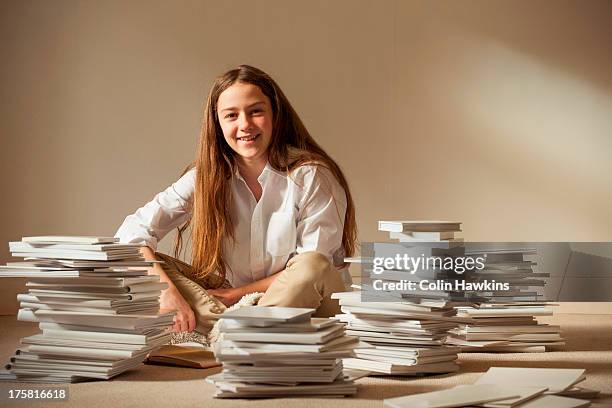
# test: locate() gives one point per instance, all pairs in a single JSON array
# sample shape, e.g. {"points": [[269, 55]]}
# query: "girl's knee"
{"points": [[310, 266]]}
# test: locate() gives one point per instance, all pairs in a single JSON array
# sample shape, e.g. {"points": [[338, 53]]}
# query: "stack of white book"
{"points": [[400, 338], [405, 330], [508, 387], [510, 327], [281, 351], [509, 316], [98, 310]]}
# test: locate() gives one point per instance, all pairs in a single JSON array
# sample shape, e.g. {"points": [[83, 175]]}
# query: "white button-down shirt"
{"points": [[300, 212]]}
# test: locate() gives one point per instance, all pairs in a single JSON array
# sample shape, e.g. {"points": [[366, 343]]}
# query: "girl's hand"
{"points": [[227, 296], [184, 320]]}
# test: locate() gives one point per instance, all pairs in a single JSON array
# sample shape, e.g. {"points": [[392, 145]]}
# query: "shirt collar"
{"points": [[264, 173]]}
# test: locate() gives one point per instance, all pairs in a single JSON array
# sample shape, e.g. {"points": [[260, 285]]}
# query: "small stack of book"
{"points": [[514, 324], [508, 316], [98, 310], [401, 338], [281, 351]]}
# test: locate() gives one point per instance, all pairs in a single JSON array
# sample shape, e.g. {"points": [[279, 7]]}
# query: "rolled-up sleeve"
{"points": [[320, 220], [168, 209]]}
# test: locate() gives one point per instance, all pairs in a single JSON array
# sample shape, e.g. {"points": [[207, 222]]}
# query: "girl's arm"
{"points": [[233, 295], [149, 224], [171, 298]]}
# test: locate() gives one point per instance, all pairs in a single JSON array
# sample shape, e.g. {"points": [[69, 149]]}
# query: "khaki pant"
{"points": [[308, 281]]}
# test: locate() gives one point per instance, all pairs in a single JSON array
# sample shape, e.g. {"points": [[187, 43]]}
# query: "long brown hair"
{"points": [[291, 146]]}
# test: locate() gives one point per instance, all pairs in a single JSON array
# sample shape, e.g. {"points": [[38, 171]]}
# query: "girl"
{"points": [[269, 211]]}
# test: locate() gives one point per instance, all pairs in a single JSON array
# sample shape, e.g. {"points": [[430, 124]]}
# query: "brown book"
{"points": [[183, 356]]}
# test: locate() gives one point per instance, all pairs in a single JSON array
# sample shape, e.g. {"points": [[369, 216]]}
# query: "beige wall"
{"points": [[495, 113]]}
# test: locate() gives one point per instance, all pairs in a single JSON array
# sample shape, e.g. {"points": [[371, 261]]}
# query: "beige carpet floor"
{"points": [[589, 346]]}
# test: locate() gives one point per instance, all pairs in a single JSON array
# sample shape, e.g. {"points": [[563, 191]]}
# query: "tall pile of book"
{"points": [[97, 309], [281, 351], [504, 321], [405, 331]]}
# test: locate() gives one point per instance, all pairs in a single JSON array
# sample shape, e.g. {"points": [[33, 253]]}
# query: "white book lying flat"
{"points": [[94, 296], [75, 263], [406, 361], [95, 281], [319, 337], [245, 390], [257, 356], [101, 354], [20, 246], [70, 239], [522, 311], [555, 379], [455, 397], [102, 303], [384, 367], [525, 394], [248, 348], [140, 339], [122, 288], [407, 352], [77, 255], [101, 320], [270, 315], [424, 236], [315, 324], [541, 328], [419, 226]]}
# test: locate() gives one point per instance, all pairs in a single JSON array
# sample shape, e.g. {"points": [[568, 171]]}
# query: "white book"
{"points": [[424, 236], [315, 324], [46, 274], [419, 226], [227, 389], [77, 255], [74, 327], [21, 246], [94, 281], [95, 295], [555, 379], [97, 353], [97, 303], [229, 347], [70, 239], [454, 397], [266, 316], [408, 352], [136, 287], [319, 337], [539, 337], [371, 312], [75, 263], [270, 357], [146, 309], [383, 367], [100, 320], [514, 311], [405, 361]]}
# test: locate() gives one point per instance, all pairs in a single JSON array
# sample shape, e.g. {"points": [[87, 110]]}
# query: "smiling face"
{"points": [[245, 115]]}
